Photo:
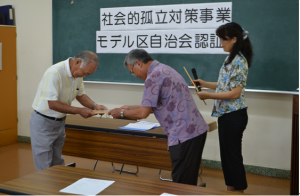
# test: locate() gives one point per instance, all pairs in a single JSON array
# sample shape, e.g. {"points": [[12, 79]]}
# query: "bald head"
{"points": [[86, 57]]}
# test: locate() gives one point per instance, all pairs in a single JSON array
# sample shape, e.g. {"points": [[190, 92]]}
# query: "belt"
{"points": [[52, 118]]}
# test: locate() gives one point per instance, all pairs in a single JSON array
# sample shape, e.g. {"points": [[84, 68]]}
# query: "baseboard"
{"points": [[250, 169], [24, 139]]}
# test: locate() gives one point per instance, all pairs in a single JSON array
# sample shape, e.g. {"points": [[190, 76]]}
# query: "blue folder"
{"points": [[9, 17]]}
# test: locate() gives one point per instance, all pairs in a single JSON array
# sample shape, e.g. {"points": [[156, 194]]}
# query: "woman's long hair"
{"points": [[231, 30]]}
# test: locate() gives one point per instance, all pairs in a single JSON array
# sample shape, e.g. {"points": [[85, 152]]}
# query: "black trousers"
{"points": [[186, 158], [231, 128]]}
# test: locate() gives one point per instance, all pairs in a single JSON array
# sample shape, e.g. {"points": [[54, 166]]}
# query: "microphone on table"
{"points": [[196, 77]]}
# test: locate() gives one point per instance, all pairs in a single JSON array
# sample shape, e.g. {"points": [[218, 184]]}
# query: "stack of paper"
{"points": [[140, 126]]}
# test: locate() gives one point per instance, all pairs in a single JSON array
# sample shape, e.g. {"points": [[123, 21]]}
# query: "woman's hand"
{"points": [[203, 95], [202, 82]]}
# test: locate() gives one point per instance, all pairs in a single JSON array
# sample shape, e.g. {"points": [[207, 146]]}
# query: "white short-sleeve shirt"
{"points": [[57, 84]]}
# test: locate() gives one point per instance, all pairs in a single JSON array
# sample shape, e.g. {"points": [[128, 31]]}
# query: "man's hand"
{"points": [[115, 113], [86, 112], [100, 107]]}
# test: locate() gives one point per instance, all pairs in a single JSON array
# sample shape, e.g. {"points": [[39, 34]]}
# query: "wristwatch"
{"points": [[122, 112], [93, 106]]}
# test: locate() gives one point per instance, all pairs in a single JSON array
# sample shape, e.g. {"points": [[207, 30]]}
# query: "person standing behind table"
{"points": [[229, 102], [168, 96], [60, 85]]}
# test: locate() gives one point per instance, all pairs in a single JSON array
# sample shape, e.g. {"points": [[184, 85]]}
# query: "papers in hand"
{"points": [[140, 126], [101, 111], [87, 186]]}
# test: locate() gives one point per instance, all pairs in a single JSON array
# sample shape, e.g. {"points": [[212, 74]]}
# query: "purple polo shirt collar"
{"points": [[153, 64]]}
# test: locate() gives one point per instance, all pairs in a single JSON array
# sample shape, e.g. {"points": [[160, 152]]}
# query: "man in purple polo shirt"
{"points": [[167, 95]]}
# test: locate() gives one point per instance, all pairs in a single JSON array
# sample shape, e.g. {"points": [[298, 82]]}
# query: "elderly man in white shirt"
{"points": [[60, 85]]}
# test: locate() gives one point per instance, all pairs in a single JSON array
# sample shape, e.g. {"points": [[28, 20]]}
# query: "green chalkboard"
{"points": [[273, 27]]}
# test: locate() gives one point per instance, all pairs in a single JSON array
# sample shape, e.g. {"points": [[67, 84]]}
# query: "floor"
{"points": [[16, 161]]}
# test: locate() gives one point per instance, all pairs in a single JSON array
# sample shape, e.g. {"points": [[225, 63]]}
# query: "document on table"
{"points": [[140, 126], [167, 194], [87, 186]]}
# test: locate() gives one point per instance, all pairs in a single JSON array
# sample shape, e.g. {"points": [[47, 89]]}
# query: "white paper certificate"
{"points": [[87, 186]]}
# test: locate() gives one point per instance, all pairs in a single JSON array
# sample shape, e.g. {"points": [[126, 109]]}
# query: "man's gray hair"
{"points": [[137, 54], [86, 57]]}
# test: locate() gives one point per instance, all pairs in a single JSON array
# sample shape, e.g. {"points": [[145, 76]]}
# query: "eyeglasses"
{"points": [[131, 72]]}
